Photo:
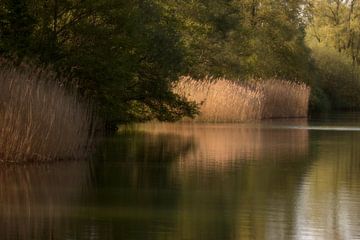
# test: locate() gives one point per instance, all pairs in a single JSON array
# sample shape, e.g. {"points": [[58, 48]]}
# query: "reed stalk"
{"points": [[40, 119], [222, 100]]}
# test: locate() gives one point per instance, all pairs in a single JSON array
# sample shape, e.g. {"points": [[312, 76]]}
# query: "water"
{"points": [[283, 179]]}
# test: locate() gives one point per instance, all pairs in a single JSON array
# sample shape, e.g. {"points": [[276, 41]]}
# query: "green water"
{"points": [[288, 179]]}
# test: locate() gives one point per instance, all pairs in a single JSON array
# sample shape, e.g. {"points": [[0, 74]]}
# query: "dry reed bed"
{"points": [[40, 119], [221, 100]]}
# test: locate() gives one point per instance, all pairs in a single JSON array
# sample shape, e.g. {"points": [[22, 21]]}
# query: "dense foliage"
{"points": [[333, 34], [125, 54], [241, 39]]}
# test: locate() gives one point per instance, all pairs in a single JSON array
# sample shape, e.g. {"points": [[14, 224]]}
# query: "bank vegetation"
{"points": [[222, 100], [41, 118]]}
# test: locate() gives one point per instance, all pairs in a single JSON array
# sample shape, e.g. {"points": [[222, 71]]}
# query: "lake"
{"points": [[279, 179]]}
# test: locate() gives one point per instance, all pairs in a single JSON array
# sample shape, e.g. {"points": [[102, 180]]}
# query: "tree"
{"points": [[124, 54], [336, 24], [16, 26], [244, 39], [333, 33]]}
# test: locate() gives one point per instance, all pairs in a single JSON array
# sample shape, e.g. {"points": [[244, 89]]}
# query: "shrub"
{"points": [[40, 119]]}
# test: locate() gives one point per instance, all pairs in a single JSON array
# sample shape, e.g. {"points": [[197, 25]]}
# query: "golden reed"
{"points": [[40, 120], [222, 100]]}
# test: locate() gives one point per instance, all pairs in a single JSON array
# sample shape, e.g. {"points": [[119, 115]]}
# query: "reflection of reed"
{"points": [[34, 200], [223, 196], [223, 144]]}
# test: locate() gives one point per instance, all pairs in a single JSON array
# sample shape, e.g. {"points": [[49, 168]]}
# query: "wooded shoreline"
{"points": [[126, 55]]}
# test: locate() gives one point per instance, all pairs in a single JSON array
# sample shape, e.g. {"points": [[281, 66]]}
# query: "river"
{"points": [[279, 179]]}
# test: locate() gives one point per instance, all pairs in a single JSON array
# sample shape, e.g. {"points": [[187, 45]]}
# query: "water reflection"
{"points": [[37, 201], [233, 181], [328, 206], [137, 194], [263, 182], [273, 180], [142, 159], [223, 145]]}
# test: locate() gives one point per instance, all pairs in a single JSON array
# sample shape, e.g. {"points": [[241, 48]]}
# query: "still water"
{"points": [[283, 179]]}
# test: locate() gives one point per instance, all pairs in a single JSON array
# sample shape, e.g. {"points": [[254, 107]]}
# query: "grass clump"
{"points": [[222, 100], [40, 119]]}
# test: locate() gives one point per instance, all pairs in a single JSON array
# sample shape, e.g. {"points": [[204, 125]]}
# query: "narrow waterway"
{"points": [[280, 179]]}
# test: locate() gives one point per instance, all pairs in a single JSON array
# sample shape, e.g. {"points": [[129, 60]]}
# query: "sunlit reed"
{"points": [[40, 119], [222, 100]]}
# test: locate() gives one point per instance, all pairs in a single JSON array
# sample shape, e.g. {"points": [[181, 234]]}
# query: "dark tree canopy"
{"points": [[125, 54]]}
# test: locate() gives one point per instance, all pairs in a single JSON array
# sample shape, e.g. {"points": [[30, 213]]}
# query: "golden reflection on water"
{"points": [[193, 181], [36, 200], [231, 178], [280, 182], [222, 145]]}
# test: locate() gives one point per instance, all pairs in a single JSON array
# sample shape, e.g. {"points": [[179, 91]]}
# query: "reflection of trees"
{"points": [[137, 191], [237, 182], [144, 158], [179, 184], [328, 202], [35, 199], [204, 182], [223, 182]]}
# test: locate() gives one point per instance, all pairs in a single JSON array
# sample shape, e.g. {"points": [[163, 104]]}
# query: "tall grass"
{"points": [[40, 119], [221, 100]]}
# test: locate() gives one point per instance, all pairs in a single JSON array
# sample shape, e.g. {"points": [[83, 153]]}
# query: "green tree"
{"points": [[336, 24], [243, 39], [333, 34], [124, 54]]}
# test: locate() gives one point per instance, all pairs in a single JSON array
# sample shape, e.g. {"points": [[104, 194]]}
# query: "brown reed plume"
{"points": [[221, 100], [40, 119]]}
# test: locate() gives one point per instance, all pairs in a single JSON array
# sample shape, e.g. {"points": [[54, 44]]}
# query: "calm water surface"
{"points": [[288, 179]]}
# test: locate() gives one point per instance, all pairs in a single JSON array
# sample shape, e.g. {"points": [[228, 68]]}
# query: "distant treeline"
{"points": [[126, 53]]}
